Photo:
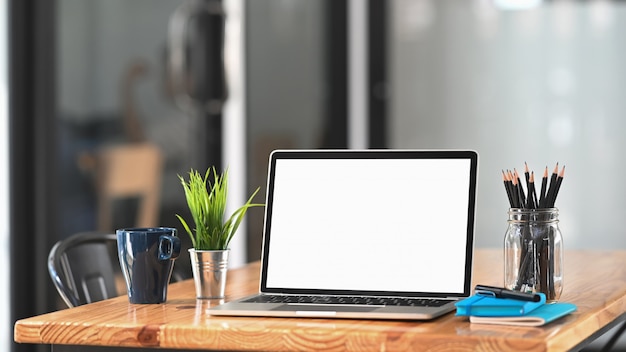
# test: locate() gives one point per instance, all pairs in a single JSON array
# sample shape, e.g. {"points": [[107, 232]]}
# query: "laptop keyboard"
{"points": [[373, 301]]}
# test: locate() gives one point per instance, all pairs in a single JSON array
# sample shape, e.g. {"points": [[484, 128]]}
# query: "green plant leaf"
{"points": [[182, 221], [207, 204]]}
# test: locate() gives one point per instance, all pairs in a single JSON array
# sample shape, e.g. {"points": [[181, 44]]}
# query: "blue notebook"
{"points": [[540, 316], [488, 306]]}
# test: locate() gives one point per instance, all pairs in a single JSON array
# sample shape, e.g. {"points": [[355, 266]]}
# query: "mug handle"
{"points": [[169, 247]]}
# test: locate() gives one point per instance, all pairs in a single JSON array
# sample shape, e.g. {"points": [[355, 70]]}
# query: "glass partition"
{"points": [[539, 85]]}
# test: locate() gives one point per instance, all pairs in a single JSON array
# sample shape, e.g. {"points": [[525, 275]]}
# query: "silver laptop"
{"points": [[372, 234]]}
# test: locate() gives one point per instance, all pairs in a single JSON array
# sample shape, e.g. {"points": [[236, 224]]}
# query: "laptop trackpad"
{"points": [[323, 308]]}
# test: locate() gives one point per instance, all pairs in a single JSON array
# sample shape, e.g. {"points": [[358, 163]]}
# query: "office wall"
{"points": [[543, 85]]}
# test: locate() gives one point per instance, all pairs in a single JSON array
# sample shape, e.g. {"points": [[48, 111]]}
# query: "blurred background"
{"points": [[147, 89]]}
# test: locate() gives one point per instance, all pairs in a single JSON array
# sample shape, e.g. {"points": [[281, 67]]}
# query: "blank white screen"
{"points": [[369, 224]]}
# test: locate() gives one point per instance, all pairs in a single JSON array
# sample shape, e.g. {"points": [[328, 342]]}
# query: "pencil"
{"points": [[527, 197], [551, 187], [559, 179], [516, 194], [520, 189], [542, 192], [513, 188], [507, 187], [527, 177], [532, 194]]}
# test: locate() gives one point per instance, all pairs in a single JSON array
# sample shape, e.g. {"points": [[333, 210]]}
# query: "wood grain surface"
{"points": [[594, 280]]}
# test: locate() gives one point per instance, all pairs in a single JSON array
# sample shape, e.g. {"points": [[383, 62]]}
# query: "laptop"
{"points": [[371, 234]]}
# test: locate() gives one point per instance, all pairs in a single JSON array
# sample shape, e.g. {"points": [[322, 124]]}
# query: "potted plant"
{"points": [[213, 231]]}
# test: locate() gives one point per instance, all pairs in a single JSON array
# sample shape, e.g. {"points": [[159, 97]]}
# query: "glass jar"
{"points": [[533, 252]]}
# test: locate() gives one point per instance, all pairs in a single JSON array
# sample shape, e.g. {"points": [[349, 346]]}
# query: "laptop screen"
{"points": [[370, 222]]}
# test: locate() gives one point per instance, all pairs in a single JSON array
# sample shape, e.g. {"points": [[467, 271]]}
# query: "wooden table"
{"points": [[594, 280]]}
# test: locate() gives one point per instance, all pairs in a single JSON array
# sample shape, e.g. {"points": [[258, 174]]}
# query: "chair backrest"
{"points": [[129, 170], [82, 269]]}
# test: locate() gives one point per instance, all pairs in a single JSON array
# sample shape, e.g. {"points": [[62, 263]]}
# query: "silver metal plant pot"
{"points": [[209, 269]]}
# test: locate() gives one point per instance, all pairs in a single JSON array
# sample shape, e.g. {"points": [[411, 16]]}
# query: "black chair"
{"points": [[82, 267]]}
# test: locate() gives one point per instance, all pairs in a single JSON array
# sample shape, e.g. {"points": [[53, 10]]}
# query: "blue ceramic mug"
{"points": [[147, 260]]}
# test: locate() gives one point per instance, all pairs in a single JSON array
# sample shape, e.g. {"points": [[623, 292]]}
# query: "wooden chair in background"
{"points": [[128, 170]]}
